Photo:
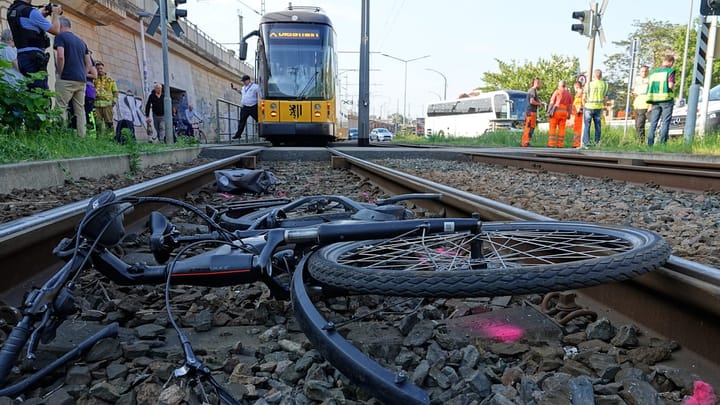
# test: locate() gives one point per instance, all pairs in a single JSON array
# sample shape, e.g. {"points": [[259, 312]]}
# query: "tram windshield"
{"points": [[298, 61]]}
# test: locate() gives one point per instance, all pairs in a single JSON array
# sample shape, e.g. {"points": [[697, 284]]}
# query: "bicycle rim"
{"points": [[503, 259]]}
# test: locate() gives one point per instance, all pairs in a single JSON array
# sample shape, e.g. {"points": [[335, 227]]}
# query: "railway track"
{"points": [[687, 175], [687, 314], [40, 233]]}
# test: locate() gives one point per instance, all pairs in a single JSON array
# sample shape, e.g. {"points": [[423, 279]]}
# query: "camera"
{"points": [[48, 8]]}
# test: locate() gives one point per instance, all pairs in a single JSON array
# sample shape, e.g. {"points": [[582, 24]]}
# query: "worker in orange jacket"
{"points": [[533, 102], [577, 113], [559, 106]]}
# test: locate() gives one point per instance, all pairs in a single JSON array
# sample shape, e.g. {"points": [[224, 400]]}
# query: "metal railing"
{"points": [[228, 116]]}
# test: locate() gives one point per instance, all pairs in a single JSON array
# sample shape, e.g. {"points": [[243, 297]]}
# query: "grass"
{"points": [[65, 144], [612, 140]]}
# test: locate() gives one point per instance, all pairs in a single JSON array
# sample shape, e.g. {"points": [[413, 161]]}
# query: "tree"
{"points": [[657, 39], [516, 76]]}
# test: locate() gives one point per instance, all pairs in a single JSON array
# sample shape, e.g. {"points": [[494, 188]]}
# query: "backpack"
{"points": [[237, 181]]}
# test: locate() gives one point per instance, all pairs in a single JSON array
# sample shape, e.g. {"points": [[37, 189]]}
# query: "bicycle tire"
{"points": [[202, 137], [519, 258]]}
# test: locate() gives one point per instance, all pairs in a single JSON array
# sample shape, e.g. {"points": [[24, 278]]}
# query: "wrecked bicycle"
{"points": [[392, 256]]}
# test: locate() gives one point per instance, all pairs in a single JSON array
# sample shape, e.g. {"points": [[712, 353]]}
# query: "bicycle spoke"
{"points": [[501, 249]]}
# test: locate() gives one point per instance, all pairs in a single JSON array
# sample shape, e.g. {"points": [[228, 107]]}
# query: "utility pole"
{"points": [[634, 52], [167, 102], [685, 52], [364, 88]]}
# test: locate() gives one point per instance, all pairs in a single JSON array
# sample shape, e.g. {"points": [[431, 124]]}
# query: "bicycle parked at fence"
{"points": [[384, 254], [190, 133]]}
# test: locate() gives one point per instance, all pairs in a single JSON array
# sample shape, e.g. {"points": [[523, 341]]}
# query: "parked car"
{"points": [[352, 134], [677, 122], [381, 135]]}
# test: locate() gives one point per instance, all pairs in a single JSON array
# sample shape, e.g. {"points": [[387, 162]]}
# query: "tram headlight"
{"points": [[317, 108], [273, 110]]}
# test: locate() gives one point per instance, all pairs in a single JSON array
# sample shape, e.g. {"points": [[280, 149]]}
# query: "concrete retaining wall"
{"points": [[36, 175]]}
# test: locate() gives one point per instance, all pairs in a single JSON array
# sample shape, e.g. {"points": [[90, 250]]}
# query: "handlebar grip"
{"points": [[12, 347]]}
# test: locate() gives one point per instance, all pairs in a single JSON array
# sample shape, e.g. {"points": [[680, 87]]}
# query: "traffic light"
{"points": [[173, 13], [710, 7], [585, 17]]}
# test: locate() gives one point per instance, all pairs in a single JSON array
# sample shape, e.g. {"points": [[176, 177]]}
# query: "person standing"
{"points": [[156, 104], [560, 103], [595, 99], [8, 53], [577, 112], [660, 96], [89, 97], [73, 65], [533, 102], [29, 28], [106, 95], [640, 104], [249, 92]]}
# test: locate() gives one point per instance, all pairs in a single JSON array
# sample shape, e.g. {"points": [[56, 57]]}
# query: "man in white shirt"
{"points": [[249, 108]]}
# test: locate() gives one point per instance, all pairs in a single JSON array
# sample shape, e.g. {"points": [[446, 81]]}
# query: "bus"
{"points": [[477, 115], [296, 66]]}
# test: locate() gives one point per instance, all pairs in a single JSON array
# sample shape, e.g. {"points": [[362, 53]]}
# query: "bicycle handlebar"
{"points": [[13, 344]]}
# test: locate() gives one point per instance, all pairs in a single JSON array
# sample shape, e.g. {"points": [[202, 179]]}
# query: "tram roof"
{"points": [[303, 16]]}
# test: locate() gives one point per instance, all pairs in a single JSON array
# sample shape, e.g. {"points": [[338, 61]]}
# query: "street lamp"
{"points": [[444, 79], [405, 61]]}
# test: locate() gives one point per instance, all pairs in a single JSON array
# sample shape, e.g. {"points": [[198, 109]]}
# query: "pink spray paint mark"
{"points": [[441, 251], [702, 395], [498, 330], [503, 333]]}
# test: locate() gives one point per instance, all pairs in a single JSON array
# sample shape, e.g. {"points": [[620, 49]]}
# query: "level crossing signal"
{"points": [[709, 7], [586, 23]]}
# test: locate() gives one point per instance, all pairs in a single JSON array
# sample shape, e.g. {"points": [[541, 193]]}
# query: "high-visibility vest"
{"points": [[577, 102], [597, 89], [658, 89], [641, 90]]}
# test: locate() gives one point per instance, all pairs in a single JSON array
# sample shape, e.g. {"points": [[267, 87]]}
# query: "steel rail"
{"points": [[41, 232], [703, 176], [689, 299]]}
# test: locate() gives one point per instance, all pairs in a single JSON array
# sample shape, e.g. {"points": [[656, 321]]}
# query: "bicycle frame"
{"points": [[243, 257]]}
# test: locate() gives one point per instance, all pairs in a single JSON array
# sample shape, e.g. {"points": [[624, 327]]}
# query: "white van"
{"points": [[677, 122]]}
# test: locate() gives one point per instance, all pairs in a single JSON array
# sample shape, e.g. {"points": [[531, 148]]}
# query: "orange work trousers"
{"points": [[557, 127], [577, 130], [530, 124]]}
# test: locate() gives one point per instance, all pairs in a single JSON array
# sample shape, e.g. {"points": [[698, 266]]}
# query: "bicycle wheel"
{"points": [[504, 258], [201, 136]]}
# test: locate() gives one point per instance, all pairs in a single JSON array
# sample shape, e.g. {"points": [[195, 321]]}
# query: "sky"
{"points": [[463, 39]]}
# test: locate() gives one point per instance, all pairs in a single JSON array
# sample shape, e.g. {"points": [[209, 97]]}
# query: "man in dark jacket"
{"points": [[29, 27], [155, 103]]}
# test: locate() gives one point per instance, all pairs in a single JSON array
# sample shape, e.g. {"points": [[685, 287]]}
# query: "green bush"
{"points": [[23, 109]]}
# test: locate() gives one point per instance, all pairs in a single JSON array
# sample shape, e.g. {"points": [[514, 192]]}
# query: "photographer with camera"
{"points": [[29, 27]]}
